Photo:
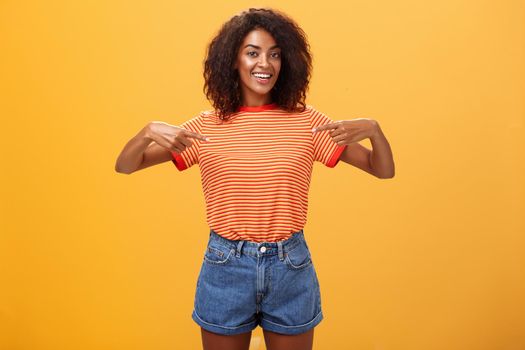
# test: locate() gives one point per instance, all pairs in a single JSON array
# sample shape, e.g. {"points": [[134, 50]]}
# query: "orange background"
{"points": [[431, 259]]}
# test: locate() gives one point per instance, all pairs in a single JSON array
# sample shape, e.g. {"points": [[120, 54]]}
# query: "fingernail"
{"points": [[314, 129], [208, 139]]}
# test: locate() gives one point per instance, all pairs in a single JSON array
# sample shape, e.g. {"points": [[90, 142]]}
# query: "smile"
{"points": [[262, 77]]}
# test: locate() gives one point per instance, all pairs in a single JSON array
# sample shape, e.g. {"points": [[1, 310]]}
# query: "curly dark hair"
{"points": [[221, 80]]}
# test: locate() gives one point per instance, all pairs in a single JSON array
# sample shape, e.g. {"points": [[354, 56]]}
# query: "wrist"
{"points": [[145, 133], [375, 129]]}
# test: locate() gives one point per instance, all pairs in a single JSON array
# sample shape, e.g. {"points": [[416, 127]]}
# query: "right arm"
{"points": [[153, 145], [132, 156]]}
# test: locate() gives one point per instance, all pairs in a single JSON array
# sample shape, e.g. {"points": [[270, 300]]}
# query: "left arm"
{"points": [[378, 161]]}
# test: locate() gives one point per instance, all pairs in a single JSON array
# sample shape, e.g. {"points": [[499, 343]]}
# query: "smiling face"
{"points": [[259, 63]]}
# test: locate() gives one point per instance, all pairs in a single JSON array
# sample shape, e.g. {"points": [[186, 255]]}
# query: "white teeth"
{"points": [[263, 76]]}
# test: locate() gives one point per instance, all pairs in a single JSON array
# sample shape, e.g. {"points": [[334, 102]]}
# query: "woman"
{"points": [[256, 151]]}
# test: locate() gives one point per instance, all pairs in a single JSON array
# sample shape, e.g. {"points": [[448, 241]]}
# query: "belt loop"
{"points": [[239, 248], [280, 250]]}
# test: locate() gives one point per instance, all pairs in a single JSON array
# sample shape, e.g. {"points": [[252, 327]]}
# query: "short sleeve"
{"points": [[190, 155], [326, 150]]}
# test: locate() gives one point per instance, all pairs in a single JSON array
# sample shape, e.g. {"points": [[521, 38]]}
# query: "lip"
{"points": [[262, 81]]}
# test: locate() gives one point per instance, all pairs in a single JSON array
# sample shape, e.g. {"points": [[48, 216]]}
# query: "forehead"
{"points": [[259, 37]]}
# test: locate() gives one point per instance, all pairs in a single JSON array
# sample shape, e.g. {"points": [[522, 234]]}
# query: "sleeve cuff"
{"points": [[334, 159], [178, 161]]}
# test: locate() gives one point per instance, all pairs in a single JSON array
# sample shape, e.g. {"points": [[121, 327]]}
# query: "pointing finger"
{"points": [[196, 135], [325, 127]]}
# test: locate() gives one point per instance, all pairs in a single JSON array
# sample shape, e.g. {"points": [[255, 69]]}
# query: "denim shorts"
{"points": [[243, 284]]}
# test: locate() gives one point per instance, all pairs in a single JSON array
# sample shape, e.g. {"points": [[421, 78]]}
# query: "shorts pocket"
{"points": [[299, 257], [217, 254]]}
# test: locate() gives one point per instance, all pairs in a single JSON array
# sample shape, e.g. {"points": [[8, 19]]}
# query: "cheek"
{"points": [[245, 64], [277, 66]]}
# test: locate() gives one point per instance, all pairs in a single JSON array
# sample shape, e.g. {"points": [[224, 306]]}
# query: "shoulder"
{"points": [[310, 109], [208, 115]]}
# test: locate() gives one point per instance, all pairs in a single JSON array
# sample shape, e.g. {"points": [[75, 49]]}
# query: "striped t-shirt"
{"points": [[256, 168]]}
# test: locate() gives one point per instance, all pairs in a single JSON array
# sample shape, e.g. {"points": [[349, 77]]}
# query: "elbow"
{"points": [[380, 173], [385, 174]]}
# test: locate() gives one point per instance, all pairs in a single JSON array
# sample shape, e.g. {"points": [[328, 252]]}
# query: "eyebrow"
{"points": [[258, 47]]}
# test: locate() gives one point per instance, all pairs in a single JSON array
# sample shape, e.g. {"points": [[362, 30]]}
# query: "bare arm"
{"points": [[381, 159], [153, 145], [132, 155], [378, 161], [359, 156]]}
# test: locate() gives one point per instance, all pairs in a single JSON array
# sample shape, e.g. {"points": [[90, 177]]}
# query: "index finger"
{"points": [[195, 135], [328, 126]]}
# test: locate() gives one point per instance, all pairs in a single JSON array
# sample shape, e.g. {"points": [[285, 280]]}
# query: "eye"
{"points": [[250, 53], [276, 54]]}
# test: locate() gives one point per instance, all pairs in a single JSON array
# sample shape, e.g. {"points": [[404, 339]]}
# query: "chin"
{"points": [[264, 91]]}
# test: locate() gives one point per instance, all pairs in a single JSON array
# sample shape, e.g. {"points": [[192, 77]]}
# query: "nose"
{"points": [[263, 61]]}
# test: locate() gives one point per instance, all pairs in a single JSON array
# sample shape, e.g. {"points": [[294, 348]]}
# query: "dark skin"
{"points": [[258, 53], [274, 341]]}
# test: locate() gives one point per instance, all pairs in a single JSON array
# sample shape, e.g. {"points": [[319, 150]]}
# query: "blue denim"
{"points": [[243, 284]]}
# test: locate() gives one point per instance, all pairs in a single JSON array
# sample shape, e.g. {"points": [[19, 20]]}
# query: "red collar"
{"points": [[258, 108]]}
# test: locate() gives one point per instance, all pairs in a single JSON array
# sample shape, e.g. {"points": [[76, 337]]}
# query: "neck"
{"points": [[257, 101]]}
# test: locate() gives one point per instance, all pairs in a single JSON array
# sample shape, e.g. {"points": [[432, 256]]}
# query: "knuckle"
{"points": [[174, 144]]}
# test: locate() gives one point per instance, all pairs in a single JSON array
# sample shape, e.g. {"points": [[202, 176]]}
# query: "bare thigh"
{"points": [[276, 341], [214, 341]]}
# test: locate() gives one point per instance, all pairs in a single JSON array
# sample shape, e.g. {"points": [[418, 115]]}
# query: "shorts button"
{"points": [[263, 249]]}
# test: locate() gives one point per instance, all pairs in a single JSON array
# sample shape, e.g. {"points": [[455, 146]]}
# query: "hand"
{"points": [[344, 132], [172, 137]]}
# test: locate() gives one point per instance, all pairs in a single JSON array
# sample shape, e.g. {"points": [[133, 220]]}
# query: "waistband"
{"points": [[260, 248]]}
